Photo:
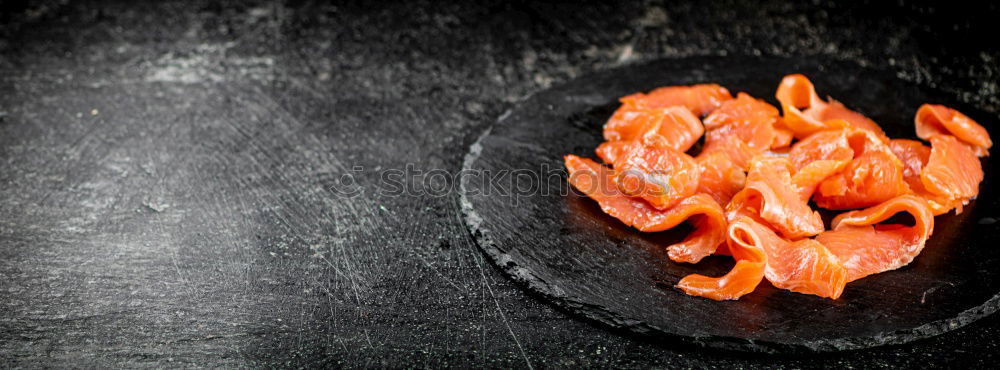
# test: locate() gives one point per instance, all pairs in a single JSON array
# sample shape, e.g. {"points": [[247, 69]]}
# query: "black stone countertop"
{"points": [[171, 173]]}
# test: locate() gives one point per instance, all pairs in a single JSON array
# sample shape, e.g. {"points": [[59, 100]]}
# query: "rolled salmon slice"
{"points": [[700, 99], [708, 218], [745, 242], [803, 266], [866, 247], [805, 113], [709, 221], [771, 196], [933, 119], [672, 127], [629, 123]]}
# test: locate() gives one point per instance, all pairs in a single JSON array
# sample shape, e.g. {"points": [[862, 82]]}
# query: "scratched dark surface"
{"points": [[170, 173]]}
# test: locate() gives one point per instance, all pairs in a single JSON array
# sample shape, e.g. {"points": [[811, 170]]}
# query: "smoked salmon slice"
{"points": [[866, 247], [939, 204], [805, 113], [720, 177], [744, 242], [609, 151], [700, 99], [731, 146], [868, 179], [673, 127], [708, 218], [873, 174], [826, 145], [749, 119], [952, 170], [743, 110], [659, 175], [933, 119], [771, 195], [803, 266], [741, 128], [912, 153], [915, 156], [807, 178], [782, 135]]}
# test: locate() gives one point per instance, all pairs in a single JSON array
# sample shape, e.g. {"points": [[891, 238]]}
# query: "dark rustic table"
{"points": [[174, 176]]}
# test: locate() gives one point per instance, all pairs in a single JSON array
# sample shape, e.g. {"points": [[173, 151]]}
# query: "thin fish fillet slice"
{"points": [[700, 99], [659, 175], [742, 110], [827, 145], [720, 177], [799, 104], [872, 175], [938, 204], [807, 178], [933, 119], [866, 247], [597, 182], [803, 266], [782, 135], [610, 151], [673, 127], [709, 221], [731, 146], [952, 170], [805, 113], [744, 242], [912, 153], [836, 110], [771, 195], [915, 156], [867, 180], [741, 128], [748, 121]]}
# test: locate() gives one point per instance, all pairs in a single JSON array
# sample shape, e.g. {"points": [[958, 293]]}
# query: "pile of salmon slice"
{"points": [[749, 192]]}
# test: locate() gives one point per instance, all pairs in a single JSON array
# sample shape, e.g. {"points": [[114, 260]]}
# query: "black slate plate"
{"points": [[558, 243]]}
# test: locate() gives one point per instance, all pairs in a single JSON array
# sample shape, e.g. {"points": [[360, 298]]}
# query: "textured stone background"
{"points": [[166, 172]]}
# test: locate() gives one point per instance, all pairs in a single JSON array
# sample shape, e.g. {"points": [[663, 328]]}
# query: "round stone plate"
{"points": [[557, 243]]}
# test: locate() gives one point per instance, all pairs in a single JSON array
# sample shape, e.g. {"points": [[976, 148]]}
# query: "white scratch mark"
{"points": [[438, 272], [506, 322], [209, 63]]}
